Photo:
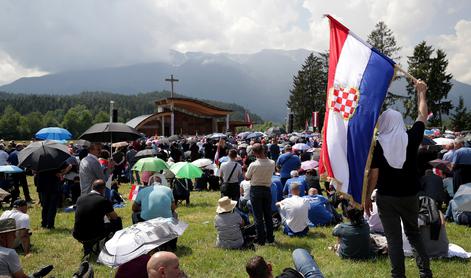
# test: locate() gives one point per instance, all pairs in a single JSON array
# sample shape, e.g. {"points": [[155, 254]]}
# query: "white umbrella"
{"points": [[202, 162], [301, 147], [443, 141], [139, 239]]}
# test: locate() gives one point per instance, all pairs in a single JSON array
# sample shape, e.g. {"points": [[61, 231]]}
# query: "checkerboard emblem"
{"points": [[344, 101]]}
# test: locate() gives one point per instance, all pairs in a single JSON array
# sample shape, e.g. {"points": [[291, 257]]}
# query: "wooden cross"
{"points": [[171, 80]]}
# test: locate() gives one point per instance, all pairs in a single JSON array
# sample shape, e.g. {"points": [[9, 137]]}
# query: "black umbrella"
{"points": [[145, 153], [173, 138], [43, 156], [110, 132]]}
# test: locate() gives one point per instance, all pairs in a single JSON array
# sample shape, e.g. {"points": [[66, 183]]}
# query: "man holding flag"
{"points": [[358, 80]]}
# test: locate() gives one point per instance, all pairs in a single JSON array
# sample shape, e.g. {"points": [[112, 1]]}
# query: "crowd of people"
{"points": [[264, 183]]}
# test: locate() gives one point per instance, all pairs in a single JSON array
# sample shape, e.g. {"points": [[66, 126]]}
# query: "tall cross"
{"points": [[172, 115], [171, 80]]}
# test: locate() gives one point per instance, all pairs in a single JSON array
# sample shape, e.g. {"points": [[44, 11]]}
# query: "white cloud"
{"points": [[458, 48], [53, 35], [11, 70]]}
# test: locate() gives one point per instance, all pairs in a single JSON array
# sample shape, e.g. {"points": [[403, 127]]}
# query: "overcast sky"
{"points": [[44, 36]]}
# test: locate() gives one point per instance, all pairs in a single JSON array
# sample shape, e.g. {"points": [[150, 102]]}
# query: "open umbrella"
{"points": [[120, 144], [145, 153], [217, 135], [440, 164], [110, 132], [138, 239], [43, 156], [10, 169], [443, 141], [256, 134], [173, 138], [301, 147], [309, 165], [244, 134], [53, 133], [152, 164], [83, 143], [202, 162], [186, 170]]}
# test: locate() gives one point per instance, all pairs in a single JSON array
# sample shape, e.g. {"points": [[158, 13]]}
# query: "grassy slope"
{"points": [[199, 258]]}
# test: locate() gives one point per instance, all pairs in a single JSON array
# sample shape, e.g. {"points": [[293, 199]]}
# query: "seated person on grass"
{"points": [[152, 202], [320, 210], [304, 263], [90, 226], [353, 237], [294, 213], [9, 261], [295, 178], [229, 226], [19, 213]]}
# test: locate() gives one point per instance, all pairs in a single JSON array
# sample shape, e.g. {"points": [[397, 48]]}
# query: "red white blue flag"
{"points": [[358, 80]]}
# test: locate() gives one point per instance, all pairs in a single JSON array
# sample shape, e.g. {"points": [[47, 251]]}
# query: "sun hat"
{"points": [[225, 205], [8, 225]]}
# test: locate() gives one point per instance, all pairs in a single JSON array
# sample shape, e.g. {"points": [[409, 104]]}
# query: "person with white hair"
{"points": [[295, 178], [394, 173]]}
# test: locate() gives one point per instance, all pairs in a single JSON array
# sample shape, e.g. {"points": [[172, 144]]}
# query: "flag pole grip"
{"points": [[406, 74]]}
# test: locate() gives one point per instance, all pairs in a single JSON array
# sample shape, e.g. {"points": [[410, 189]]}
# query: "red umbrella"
{"points": [[440, 164]]}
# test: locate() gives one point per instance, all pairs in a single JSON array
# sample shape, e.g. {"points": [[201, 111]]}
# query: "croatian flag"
{"points": [[358, 79]]}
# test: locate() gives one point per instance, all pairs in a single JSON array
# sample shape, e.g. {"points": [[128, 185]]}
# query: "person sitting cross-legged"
{"points": [[294, 212], [152, 202], [90, 227], [353, 237], [230, 227], [321, 212]]}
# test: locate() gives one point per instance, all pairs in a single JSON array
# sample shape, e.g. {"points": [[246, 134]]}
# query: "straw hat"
{"points": [[225, 205], [8, 225]]}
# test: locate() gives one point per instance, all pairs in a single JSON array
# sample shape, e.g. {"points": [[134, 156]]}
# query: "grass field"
{"points": [[199, 257]]}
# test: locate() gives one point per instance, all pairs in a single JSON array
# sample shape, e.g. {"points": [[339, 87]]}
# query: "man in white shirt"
{"points": [[244, 201], [19, 213], [90, 169], [295, 212], [231, 175], [3, 155]]}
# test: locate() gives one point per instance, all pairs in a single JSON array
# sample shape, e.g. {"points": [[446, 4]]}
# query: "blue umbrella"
{"points": [[10, 169], [53, 133]]}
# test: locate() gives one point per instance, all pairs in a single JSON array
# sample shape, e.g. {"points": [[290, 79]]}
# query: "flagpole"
{"points": [[406, 74]]}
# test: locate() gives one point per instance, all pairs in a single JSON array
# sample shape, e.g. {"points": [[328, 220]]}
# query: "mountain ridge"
{"points": [[259, 81]]}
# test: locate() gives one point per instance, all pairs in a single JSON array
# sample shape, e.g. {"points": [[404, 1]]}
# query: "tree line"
{"points": [[309, 87], [22, 115]]}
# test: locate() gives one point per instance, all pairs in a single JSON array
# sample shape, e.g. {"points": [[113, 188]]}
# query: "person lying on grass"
{"points": [[304, 263]]}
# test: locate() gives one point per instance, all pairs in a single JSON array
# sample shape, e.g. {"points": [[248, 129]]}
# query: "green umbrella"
{"points": [[186, 170], [152, 164]]}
